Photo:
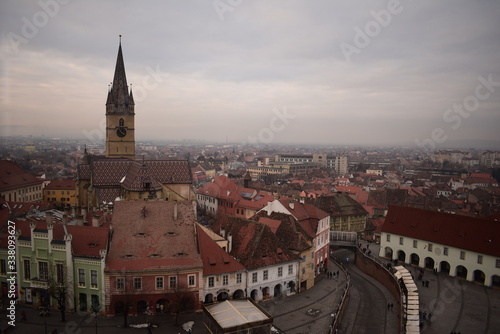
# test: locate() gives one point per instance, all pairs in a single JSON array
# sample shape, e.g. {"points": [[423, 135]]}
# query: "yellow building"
{"points": [[62, 193]]}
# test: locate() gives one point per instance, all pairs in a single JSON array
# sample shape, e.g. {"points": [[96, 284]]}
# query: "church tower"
{"points": [[120, 129]]}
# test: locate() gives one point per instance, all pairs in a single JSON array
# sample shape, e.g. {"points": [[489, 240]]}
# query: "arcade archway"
{"points": [[461, 272], [445, 267]]}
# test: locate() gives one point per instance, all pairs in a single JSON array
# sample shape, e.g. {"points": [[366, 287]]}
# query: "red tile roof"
{"points": [[139, 178], [289, 230], [13, 177], [219, 187], [254, 245], [111, 171], [61, 185], [147, 237], [87, 241], [215, 259], [272, 223], [474, 234]]}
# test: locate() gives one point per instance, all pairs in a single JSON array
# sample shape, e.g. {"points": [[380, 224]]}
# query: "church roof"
{"points": [[139, 179], [113, 171]]}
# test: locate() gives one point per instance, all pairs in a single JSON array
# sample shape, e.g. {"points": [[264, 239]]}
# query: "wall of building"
{"points": [[440, 257], [31, 193], [261, 286], [219, 287]]}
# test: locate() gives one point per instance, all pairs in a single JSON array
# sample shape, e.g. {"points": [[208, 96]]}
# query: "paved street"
{"points": [[310, 311], [367, 308]]}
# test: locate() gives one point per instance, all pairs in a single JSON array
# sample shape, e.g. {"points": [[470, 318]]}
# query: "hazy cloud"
{"points": [[224, 77]]}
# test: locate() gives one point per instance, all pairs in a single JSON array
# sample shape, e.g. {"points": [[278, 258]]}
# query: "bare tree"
{"points": [[59, 286], [181, 299]]}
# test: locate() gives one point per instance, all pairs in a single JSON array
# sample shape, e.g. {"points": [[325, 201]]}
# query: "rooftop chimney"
{"points": [[49, 217], [65, 218], [79, 220], [229, 242], [95, 221], [175, 210]]}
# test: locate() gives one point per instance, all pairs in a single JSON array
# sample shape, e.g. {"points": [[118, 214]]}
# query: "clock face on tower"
{"points": [[121, 132]]}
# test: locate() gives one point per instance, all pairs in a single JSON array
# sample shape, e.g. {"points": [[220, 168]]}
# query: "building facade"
{"points": [[62, 193], [338, 163], [55, 258], [461, 246], [18, 184], [153, 262]]}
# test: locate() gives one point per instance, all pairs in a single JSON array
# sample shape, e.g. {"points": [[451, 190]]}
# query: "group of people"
{"points": [[332, 274], [424, 316]]}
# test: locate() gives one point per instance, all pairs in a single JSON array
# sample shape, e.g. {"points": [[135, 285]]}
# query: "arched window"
{"points": [[121, 122]]}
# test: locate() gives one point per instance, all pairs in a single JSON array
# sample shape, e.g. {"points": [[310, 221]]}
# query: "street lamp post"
{"points": [[95, 310], [45, 311]]}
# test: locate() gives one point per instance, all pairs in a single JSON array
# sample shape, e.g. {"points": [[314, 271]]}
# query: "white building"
{"points": [[271, 268], [223, 277], [460, 246], [272, 281]]}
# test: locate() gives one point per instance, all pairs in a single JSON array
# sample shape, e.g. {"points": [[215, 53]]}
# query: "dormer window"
{"points": [[128, 256]]}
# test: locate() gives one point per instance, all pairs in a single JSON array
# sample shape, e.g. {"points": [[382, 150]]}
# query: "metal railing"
{"points": [[339, 311]]}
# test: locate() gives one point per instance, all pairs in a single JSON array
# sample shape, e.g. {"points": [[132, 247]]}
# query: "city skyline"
{"points": [[380, 73]]}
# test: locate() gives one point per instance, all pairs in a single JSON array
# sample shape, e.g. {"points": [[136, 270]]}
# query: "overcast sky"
{"points": [[327, 72]]}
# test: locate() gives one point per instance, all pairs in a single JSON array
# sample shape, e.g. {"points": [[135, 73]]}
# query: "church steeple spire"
{"points": [[118, 94], [120, 114]]}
